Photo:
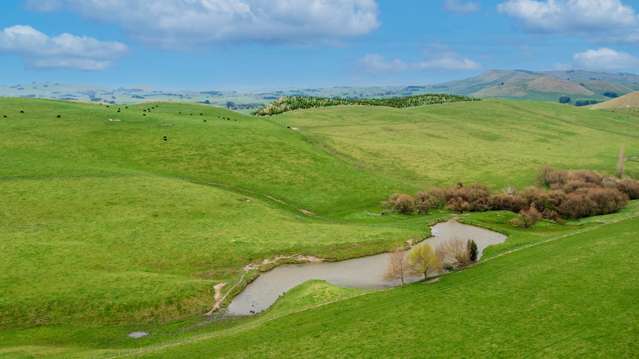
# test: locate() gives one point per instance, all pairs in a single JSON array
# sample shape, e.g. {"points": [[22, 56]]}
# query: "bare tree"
{"points": [[423, 260], [454, 252], [397, 266], [621, 162]]}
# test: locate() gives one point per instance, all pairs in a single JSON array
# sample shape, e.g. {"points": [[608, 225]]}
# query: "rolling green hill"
{"points": [[123, 218]]}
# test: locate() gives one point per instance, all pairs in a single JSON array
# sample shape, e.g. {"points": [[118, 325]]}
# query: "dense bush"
{"points": [[508, 202], [401, 203], [586, 102], [473, 251], [527, 217], [592, 202], [629, 187], [474, 198], [564, 99], [290, 103], [567, 194]]}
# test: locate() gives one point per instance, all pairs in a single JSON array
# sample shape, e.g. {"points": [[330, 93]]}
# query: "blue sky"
{"points": [[258, 44]]}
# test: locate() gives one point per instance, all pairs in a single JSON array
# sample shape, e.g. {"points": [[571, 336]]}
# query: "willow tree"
{"points": [[422, 259]]}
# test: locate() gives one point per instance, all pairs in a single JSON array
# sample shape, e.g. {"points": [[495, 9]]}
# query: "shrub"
{"points": [[475, 198], [473, 251], [576, 206], [564, 99], [437, 197], [606, 200], [401, 203], [592, 202], [527, 217], [453, 253], [457, 204], [568, 194], [508, 202], [574, 185], [630, 187], [423, 203]]}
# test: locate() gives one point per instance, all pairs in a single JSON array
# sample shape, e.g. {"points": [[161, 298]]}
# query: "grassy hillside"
{"points": [[500, 143], [559, 299], [140, 229], [110, 228], [630, 100]]}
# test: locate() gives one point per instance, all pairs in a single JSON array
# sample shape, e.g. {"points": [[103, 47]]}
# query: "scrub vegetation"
{"points": [[292, 103]]}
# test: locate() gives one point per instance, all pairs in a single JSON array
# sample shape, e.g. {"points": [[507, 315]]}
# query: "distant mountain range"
{"points": [[521, 84], [549, 85]]}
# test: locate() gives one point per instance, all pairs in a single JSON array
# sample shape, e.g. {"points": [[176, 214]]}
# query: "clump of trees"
{"points": [[580, 103], [291, 103], [564, 99], [425, 260], [561, 195]]}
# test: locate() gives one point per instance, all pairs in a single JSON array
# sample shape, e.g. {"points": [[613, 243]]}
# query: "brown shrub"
{"points": [[591, 177], [607, 200], [630, 187], [457, 204], [527, 217], [454, 253], [592, 202], [575, 185], [572, 194], [401, 203], [555, 179], [475, 198], [552, 215], [425, 201], [508, 202], [438, 197]]}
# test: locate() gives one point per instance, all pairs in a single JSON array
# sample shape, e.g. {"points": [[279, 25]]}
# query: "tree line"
{"points": [[291, 103]]}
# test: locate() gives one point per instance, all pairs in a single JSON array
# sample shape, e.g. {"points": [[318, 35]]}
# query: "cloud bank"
{"points": [[572, 16], [605, 59], [443, 61], [65, 51], [180, 23]]}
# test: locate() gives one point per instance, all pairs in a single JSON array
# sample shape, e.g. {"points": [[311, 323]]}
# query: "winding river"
{"points": [[366, 272]]}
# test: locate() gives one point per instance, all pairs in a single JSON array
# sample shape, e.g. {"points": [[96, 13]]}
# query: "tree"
{"points": [[473, 251], [423, 260], [564, 99], [397, 266], [527, 217], [621, 162], [453, 253]]}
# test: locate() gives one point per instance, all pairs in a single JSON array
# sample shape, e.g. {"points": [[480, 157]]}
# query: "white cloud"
{"points": [[576, 16], [181, 23], [460, 6], [63, 51], [605, 59], [441, 61]]}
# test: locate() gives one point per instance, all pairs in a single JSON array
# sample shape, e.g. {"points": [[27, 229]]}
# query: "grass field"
{"points": [[107, 228]]}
